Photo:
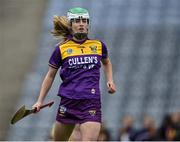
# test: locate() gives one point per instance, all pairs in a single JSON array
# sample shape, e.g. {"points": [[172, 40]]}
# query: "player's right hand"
{"points": [[37, 106]]}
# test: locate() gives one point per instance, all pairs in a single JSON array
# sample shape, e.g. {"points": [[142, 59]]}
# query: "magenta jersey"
{"points": [[79, 64]]}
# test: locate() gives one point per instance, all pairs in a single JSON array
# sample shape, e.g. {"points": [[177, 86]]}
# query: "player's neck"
{"points": [[79, 40], [80, 36]]}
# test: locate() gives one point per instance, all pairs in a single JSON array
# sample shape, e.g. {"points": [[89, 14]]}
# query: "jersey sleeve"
{"points": [[104, 51], [55, 60]]}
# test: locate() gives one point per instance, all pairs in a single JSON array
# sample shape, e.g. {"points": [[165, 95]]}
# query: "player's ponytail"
{"points": [[61, 27]]}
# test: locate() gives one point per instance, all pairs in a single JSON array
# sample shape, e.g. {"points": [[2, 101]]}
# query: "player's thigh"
{"points": [[90, 130], [76, 134], [62, 131]]}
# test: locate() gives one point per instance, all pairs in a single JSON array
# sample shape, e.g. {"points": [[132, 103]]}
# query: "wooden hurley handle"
{"points": [[45, 105], [48, 104]]}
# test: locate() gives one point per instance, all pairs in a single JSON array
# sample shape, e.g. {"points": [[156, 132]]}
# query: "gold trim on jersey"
{"points": [[89, 47]]}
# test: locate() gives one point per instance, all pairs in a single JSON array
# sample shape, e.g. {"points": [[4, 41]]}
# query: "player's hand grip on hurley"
{"points": [[23, 112], [37, 106]]}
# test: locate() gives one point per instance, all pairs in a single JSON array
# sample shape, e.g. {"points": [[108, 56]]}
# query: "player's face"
{"points": [[80, 25]]}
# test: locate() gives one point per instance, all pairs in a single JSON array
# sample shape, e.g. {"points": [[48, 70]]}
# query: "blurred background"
{"points": [[143, 40]]}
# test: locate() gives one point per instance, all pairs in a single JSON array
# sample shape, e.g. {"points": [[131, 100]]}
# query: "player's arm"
{"points": [[109, 75], [46, 85]]}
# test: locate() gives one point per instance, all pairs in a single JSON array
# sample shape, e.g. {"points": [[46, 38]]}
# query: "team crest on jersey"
{"points": [[92, 112], [69, 51], [93, 48], [62, 110]]}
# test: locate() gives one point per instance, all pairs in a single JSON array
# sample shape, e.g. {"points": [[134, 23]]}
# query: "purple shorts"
{"points": [[72, 111]]}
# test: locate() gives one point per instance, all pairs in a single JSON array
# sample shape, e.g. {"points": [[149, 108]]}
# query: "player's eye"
{"points": [[84, 20], [77, 20]]}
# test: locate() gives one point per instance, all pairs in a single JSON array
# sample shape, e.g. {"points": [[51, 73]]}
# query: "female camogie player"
{"points": [[80, 60]]}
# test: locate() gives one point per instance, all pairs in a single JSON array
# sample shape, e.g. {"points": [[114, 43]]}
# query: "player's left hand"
{"points": [[111, 87]]}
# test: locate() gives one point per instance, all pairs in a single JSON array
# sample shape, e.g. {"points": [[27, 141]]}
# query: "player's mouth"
{"points": [[81, 29]]}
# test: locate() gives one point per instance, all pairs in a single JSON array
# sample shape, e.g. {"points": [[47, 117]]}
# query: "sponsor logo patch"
{"points": [[92, 112], [93, 91]]}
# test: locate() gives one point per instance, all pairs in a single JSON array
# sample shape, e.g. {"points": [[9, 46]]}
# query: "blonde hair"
{"points": [[62, 28]]}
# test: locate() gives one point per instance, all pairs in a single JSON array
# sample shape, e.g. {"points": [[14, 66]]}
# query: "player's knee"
{"points": [[58, 137], [57, 134], [90, 137]]}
